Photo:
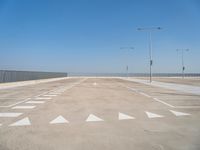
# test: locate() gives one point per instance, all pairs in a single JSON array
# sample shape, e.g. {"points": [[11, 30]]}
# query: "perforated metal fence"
{"points": [[12, 76]]}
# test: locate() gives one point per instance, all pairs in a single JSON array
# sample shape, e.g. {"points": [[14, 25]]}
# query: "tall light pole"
{"points": [[182, 60], [127, 48], [149, 30]]}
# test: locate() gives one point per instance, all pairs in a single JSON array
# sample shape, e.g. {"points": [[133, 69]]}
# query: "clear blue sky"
{"points": [[86, 35]]}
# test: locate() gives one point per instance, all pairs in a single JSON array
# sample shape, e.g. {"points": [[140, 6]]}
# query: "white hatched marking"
{"points": [[153, 115], [92, 117], [59, 119], [35, 102], [122, 116], [10, 114], [23, 107], [22, 122], [176, 113]]}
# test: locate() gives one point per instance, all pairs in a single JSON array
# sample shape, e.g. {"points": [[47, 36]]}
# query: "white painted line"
{"points": [[122, 116], [23, 107], [132, 89], [178, 87], [51, 91], [0, 124], [35, 102], [10, 114], [22, 122], [39, 98], [153, 115], [176, 113], [92, 117], [59, 119], [144, 94], [16, 103], [156, 99], [50, 95], [56, 92], [94, 83], [187, 107]]}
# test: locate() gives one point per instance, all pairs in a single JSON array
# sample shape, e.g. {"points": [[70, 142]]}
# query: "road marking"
{"points": [[144, 94], [39, 98], [92, 117], [35, 102], [10, 114], [50, 91], [0, 124], [23, 107], [59, 119], [153, 115], [16, 103], [122, 116], [132, 89], [50, 95], [176, 113], [185, 107], [94, 83], [22, 122], [156, 99], [56, 93]]}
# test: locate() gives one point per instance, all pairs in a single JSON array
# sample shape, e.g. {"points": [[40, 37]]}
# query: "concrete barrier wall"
{"points": [[12, 76]]}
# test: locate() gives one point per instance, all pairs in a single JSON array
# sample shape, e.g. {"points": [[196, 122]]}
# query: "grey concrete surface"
{"points": [[75, 99], [174, 86], [195, 81]]}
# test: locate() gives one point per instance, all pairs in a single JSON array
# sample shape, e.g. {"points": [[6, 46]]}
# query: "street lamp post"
{"points": [[127, 68], [149, 30], [182, 60]]}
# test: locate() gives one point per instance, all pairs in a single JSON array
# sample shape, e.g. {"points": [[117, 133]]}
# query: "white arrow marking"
{"points": [[35, 102], [176, 113], [122, 116], [10, 114], [23, 107], [92, 117], [22, 122], [59, 119], [153, 115]]}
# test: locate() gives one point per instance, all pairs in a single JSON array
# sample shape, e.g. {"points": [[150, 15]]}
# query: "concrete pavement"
{"points": [[98, 113]]}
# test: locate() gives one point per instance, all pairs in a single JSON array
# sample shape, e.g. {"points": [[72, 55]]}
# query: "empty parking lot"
{"points": [[98, 113]]}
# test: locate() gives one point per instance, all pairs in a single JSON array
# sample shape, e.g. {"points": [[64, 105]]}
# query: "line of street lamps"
{"points": [[150, 30]]}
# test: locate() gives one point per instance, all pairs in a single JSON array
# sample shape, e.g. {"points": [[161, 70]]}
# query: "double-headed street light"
{"points": [[182, 60], [127, 48], [149, 30]]}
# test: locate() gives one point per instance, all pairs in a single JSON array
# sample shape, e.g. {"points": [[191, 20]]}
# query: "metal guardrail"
{"points": [[12, 76], [135, 74]]}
